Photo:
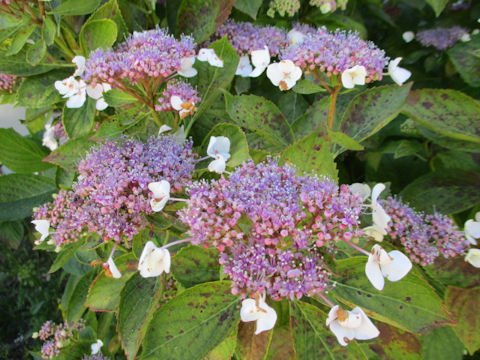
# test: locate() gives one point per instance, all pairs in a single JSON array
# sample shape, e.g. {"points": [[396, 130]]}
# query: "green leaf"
{"points": [[193, 323], [393, 343], [407, 148], [344, 141], [39, 91], [65, 254], [312, 338], [80, 121], [7, 20], [410, 304], [20, 40], [249, 7], [372, 109], [12, 233], [447, 192], [312, 154], [98, 34], [111, 10], [464, 304], [442, 344], [69, 154], [36, 52], [437, 5], [465, 58], [115, 97], [104, 292], [453, 271], [20, 154], [18, 65], [49, 29], [193, 265], [138, 301], [249, 345], [225, 349], [238, 142], [19, 194], [75, 7], [74, 304], [448, 112], [261, 116], [307, 87], [202, 18]]}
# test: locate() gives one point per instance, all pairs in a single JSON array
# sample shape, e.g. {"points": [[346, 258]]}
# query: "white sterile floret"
{"points": [[80, 62], [153, 261], [67, 87], [244, 67], [78, 98], [180, 135], [113, 268], [380, 265], [48, 138], [380, 217], [398, 74], [163, 129], [43, 227], [473, 257], [465, 37], [361, 190], [218, 165], [260, 60], [96, 346], [259, 311], [186, 67], [349, 325], [96, 93], [161, 194], [284, 74], [354, 76], [408, 36], [210, 56], [219, 145], [472, 229], [184, 108], [295, 37]]}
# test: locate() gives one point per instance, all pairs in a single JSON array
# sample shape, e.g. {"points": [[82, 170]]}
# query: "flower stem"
{"points": [[324, 298], [363, 251], [175, 243], [332, 107], [320, 80]]}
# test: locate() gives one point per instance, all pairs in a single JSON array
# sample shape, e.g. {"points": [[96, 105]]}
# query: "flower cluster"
{"points": [[327, 6], [272, 227], [56, 337], [178, 96], [7, 82], [144, 55], [111, 194], [95, 357], [334, 53], [290, 7], [441, 38], [424, 237]]}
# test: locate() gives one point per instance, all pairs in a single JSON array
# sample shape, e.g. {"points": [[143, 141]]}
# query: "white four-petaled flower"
{"points": [[96, 93], [210, 56], [184, 108], [218, 149], [473, 257], [258, 310], [380, 265], [284, 74], [349, 325], [408, 36], [153, 261], [354, 76], [96, 346], [398, 74], [43, 227], [295, 37], [161, 194], [472, 229], [48, 138], [260, 60], [186, 67]]}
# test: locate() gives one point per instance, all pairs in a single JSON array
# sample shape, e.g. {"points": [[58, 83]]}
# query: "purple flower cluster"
{"points": [[111, 194], [441, 38], [177, 88], [424, 237], [272, 227], [56, 336], [246, 37], [7, 82], [333, 53], [149, 54]]}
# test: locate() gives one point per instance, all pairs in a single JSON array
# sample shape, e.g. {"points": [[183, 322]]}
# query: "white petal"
{"points": [[76, 101], [361, 190], [96, 346], [248, 312], [274, 73], [205, 54], [398, 74], [332, 315], [154, 261], [187, 69], [176, 102], [257, 72], [219, 145], [95, 92], [472, 229], [477, 216], [347, 80], [43, 227], [373, 272], [296, 73], [180, 135], [393, 64], [67, 87], [398, 267], [465, 37], [367, 330], [408, 36], [375, 232], [164, 128], [377, 190], [159, 188], [101, 104], [260, 58], [344, 335], [218, 165], [354, 76], [80, 62], [106, 87], [113, 269], [295, 37], [48, 138], [354, 320], [266, 319], [473, 257], [244, 67]]}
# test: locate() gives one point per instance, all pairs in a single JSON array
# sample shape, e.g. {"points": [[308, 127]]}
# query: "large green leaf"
{"points": [[74, 303], [464, 304], [249, 7], [312, 154], [69, 154], [261, 116], [393, 343], [465, 58], [437, 5], [453, 271], [372, 109], [19, 194], [96, 34], [36, 52], [12, 233], [111, 10], [18, 65], [138, 300], [193, 265], [193, 323], [20, 154], [202, 18], [312, 338], [115, 97], [76, 7], [447, 192], [448, 112], [251, 346], [65, 254], [78, 122], [238, 142], [39, 91], [20, 39], [410, 304], [442, 344]]}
